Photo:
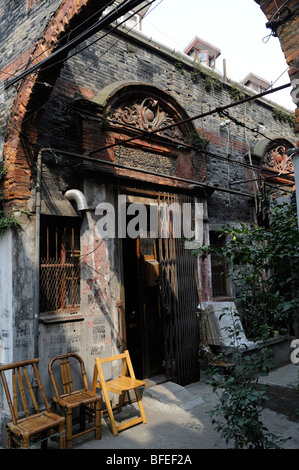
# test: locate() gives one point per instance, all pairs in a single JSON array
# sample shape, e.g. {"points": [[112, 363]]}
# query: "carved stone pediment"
{"points": [[148, 115], [275, 158]]}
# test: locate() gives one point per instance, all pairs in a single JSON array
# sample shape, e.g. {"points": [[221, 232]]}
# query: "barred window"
{"points": [[59, 264]]}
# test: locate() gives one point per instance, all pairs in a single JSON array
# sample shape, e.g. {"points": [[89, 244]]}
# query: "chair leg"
{"points": [[97, 418], [140, 404], [120, 402], [110, 412], [68, 426], [62, 433], [9, 441]]}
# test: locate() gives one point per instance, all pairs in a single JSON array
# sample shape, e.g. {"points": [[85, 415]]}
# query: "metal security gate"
{"points": [[178, 294]]}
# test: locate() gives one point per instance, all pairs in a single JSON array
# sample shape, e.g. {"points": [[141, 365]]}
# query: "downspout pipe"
{"points": [[37, 247]]}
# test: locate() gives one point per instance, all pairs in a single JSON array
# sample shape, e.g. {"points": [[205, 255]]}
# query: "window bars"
{"points": [[60, 265]]}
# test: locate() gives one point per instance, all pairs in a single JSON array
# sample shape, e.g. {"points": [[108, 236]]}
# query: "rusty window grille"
{"points": [[60, 264]]}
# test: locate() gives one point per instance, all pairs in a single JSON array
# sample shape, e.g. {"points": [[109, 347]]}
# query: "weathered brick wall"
{"points": [[20, 29], [18, 151], [54, 123], [116, 57], [103, 63]]}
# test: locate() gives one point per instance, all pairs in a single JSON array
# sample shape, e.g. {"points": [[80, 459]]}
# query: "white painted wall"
{"points": [[6, 314]]}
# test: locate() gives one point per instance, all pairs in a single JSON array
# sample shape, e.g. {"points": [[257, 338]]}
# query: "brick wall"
{"points": [[128, 58]]}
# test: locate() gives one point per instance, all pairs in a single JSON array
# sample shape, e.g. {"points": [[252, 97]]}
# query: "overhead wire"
{"points": [[93, 42], [98, 12], [219, 109], [103, 22], [216, 109], [116, 27]]}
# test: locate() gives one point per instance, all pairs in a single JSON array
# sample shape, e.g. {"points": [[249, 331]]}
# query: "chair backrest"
{"points": [[127, 367], [24, 373], [66, 376]]}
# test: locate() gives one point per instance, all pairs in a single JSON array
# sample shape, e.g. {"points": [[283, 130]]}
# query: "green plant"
{"points": [[179, 66], [282, 116], [264, 268], [196, 73], [212, 83], [236, 94], [237, 414], [6, 221], [199, 141], [104, 120]]}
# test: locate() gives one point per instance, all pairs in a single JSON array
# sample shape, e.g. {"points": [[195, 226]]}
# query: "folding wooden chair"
{"points": [[29, 425], [68, 398], [124, 383]]}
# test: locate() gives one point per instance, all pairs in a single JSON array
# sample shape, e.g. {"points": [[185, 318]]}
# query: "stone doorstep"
{"points": [[173, 394]]}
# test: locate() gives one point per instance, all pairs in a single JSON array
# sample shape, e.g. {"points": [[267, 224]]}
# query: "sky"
{"points": [[236, 27]]}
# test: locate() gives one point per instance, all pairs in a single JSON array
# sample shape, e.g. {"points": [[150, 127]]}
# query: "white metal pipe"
{"points": [[78, 197]]}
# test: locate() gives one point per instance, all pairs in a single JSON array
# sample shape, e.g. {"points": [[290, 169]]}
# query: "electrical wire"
{"points": [[98, 12], [218, 110], [93, 42], [110, 18], [125, 33], [238, 123]]}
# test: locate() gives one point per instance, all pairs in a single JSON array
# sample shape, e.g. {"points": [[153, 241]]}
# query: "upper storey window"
{"points": [[203, 52]]}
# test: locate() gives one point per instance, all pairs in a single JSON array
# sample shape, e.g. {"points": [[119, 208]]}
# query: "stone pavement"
{"points": [[177, 418], [178, 422]]}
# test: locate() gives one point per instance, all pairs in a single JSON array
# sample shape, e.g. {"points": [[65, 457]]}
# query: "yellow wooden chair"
{"points": [[29, 423], [124, 383]]}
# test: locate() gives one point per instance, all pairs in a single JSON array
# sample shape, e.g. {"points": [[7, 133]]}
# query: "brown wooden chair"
{"points": [[68, 398], [29, 424], [124, 383]]}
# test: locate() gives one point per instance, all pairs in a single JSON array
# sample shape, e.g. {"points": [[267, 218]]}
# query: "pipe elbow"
{"points": [[78, 197]]}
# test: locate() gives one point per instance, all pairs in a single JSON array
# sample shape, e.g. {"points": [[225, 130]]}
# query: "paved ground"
{"points": [[178, 423], [177, 417]]}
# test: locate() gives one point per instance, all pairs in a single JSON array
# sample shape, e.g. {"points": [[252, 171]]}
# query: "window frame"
{"points": [[59, 289]]}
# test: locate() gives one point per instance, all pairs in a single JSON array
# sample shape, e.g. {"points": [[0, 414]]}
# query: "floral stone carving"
{"points": [[147, 115]]}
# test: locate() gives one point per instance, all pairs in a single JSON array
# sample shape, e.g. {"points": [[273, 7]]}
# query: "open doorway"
{"points": [[160, 294], [144, 326]]}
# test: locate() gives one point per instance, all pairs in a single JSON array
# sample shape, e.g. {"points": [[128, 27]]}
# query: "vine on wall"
{"points": [[7, 221]]}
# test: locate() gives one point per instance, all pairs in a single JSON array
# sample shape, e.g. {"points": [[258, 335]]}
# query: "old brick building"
{"points": [[110, 121]]}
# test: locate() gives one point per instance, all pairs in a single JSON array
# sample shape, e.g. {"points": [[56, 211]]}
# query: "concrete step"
{"points": [[173, 394]]}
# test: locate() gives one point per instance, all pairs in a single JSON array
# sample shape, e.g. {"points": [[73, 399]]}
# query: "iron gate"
{"points": [[178, 295]]}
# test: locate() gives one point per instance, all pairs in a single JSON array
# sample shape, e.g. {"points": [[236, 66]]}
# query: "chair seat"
{"points": [[123, 384], [36, 423], [77, 398]]}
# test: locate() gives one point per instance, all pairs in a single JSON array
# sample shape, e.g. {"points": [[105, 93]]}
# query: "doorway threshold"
{"points": [[156, 380]]}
